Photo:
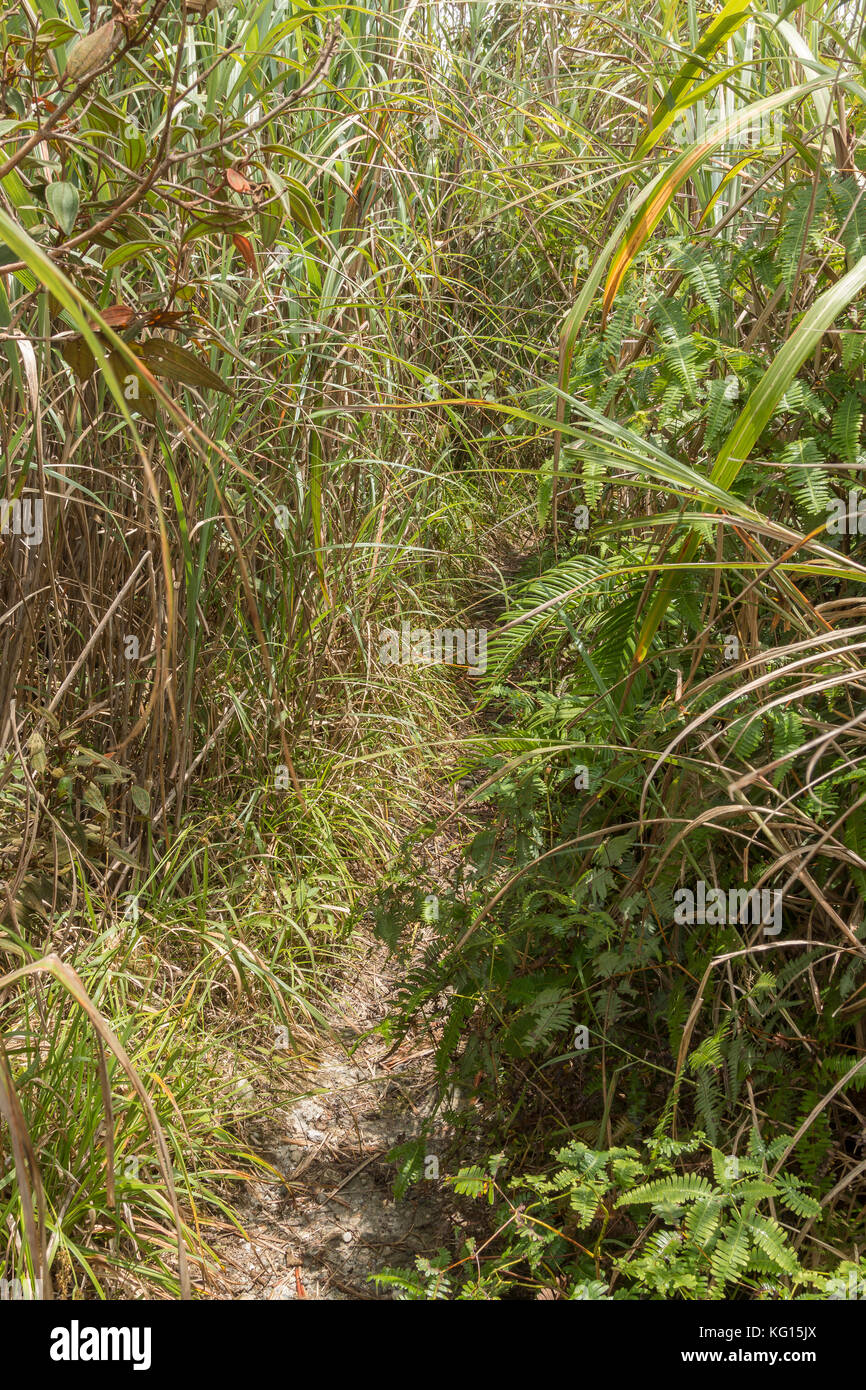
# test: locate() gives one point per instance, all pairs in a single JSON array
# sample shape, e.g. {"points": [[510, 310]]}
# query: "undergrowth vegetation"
{"points": [[322, 320]]}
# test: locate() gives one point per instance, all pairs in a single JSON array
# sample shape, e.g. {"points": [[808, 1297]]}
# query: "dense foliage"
{"points": [[545, 319]]}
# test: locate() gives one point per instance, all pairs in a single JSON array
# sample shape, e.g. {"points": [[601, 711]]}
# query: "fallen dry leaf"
{"points": [[238, 182]]}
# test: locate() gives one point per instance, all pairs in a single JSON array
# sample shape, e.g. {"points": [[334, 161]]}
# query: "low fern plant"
{"points": [[714, 1238], [674, 1221]]}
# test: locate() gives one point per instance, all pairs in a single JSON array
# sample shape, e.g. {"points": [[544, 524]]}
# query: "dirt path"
{"points": [[334, 1221]]}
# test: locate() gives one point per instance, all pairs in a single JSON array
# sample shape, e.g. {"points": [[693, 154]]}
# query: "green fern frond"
{"points": [[551, 1011], [730, 1255], [745, 734], [790, 1193], [704, 1219], [769, 1237], [722, 396], [709, 1052], [750, 1193], [788, 735], [687, 1188], [801, 221], [702, 276], [847, 427], [805, 476], [573, 582], [471, 1182], [679, 350], [847, 198]]}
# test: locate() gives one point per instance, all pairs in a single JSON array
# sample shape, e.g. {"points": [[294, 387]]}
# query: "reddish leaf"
{"points": [[117, 316], [121, 317], [238, 182], [165, 318], [245, 247]]}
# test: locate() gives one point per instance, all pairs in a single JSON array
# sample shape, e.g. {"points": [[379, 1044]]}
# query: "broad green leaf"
{"points": [[93, 798], [63, 201], [128, 252], [140, 799], [170, 360]]}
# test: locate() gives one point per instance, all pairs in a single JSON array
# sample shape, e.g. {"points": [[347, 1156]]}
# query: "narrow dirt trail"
{"points": [[334, 1221], [330, 1220]]}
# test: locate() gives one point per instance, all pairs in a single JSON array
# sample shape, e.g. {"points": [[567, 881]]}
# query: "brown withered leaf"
{"points": [[238, 182], [166, 318], [117, 316], [121, 317]]}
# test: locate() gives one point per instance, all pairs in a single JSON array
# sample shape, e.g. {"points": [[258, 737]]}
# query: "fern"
{"points": [[702, 276], [593, 475], [679, 350], [801, 221], [770, 1239], [709, 1102], [730, 1255], [671, 408], [745, 734], [704, 1219], [750, 1193], [550, 1012], [847, 425], [805, 476], [788, 735], [709, 1052], [461, 1008], [720, 404], [794, 1198], [613, 638], [472, 1182], [847, 198], [572, 582], [429, 1280], [687, 1188], [853, 350]]}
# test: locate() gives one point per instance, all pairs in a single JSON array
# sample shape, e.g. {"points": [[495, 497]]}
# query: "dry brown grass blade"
{"points": [[816, 1111], [696, 1009], [749, 688]]}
